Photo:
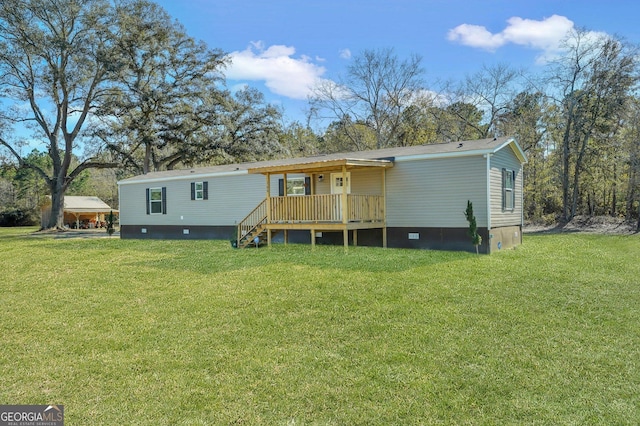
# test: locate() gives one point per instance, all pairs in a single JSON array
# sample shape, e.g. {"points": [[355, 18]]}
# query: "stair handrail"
{"points": [[254, 219]]}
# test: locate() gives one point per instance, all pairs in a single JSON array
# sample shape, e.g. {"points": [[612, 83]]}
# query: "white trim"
{"points": [[151, 200], [444, 155], [488, 157], [521, 200], [519, 152], [195, 191], [506, 195], [292, 179], [190, 177]]}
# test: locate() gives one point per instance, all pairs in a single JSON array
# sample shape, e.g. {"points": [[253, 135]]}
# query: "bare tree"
{"points": [[592, 80], [376, 91], [490, 92]]}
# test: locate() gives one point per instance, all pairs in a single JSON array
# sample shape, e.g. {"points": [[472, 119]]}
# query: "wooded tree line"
{"points": [[115, 88]]}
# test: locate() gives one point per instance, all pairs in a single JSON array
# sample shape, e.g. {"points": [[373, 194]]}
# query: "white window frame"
{"points": [[508, 191], [153, 202], [199, 193], [295, 190]]}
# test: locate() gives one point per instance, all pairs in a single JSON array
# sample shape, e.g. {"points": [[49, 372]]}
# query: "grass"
{"points": [[194, 332]]}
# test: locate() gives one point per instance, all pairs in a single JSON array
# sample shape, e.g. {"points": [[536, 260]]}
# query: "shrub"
{"points": [[18, 217]]}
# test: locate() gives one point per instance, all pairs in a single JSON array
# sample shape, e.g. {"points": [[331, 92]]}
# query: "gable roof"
{"points": [[385, 155], [82, 204]]}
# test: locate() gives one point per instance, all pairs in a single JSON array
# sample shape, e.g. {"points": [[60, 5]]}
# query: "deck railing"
{"points": [[326, 208], [257, 217]]}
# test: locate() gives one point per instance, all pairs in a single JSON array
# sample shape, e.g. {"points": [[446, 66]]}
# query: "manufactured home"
{"points": [[411, 197]]}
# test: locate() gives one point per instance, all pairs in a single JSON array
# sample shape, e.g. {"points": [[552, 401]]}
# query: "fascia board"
{"points": [[184, 177], [443, 155], [516, 149]]}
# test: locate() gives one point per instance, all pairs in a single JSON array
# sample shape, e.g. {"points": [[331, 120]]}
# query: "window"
{"points": [[508, 190], [295, 186], [199, 190], [157, 200]]}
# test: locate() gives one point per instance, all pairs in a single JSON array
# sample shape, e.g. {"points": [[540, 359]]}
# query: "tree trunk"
{"points": [[146, 165], [577, 173], [614, 194], [565, 169], [56, 220]]}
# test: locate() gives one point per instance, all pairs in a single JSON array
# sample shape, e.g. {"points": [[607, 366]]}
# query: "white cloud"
{"points": [[345, 53], [277, 67], [545, 35]]}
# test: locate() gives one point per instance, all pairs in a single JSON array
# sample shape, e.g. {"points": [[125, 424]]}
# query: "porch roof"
{"points": [[315, 165], [80, 204]]}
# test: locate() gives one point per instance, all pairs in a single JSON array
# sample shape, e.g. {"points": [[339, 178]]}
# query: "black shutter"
{"points": [[513, 190], [504, 189], [281, 187], [205, 190], [307, 185], [164, 200], [148, 201], [193, 190]]}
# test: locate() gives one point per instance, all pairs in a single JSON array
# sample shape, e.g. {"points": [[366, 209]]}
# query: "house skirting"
{"points": [[173, 232], [417, 238], [505, 237]]}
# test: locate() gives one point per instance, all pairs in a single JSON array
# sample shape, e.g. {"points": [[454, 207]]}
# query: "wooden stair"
{"points": [[249, 238], [252, 227]]}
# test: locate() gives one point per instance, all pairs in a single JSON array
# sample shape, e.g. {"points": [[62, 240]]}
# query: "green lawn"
{"points": [[195, 332]]}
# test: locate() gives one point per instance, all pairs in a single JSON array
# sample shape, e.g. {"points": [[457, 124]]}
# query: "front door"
{"points": [[337, 186]]}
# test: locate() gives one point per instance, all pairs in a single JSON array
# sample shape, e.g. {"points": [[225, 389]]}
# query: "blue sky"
{"points": [[284, 47]]}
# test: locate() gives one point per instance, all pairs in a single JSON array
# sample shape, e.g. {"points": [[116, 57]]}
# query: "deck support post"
{"points": [[345, 234], [355, 238], [384, 237], [268, 175], [286, 237], [313, 239]]}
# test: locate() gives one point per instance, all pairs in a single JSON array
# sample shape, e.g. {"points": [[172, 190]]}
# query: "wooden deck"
{"points": [[326, 212], [336, 211], [325, 208]]}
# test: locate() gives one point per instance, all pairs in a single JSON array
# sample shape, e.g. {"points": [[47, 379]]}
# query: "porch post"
{"points": [[384, 207], [284, 194], [345, 207], [268, 208]]}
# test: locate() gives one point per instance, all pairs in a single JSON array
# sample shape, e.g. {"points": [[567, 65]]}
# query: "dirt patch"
{"points": [[595, 225], [75, 233]]}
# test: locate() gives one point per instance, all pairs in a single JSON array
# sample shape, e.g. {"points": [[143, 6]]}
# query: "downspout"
{"points": [[384, 206], [488, 179], [521, 201]]}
